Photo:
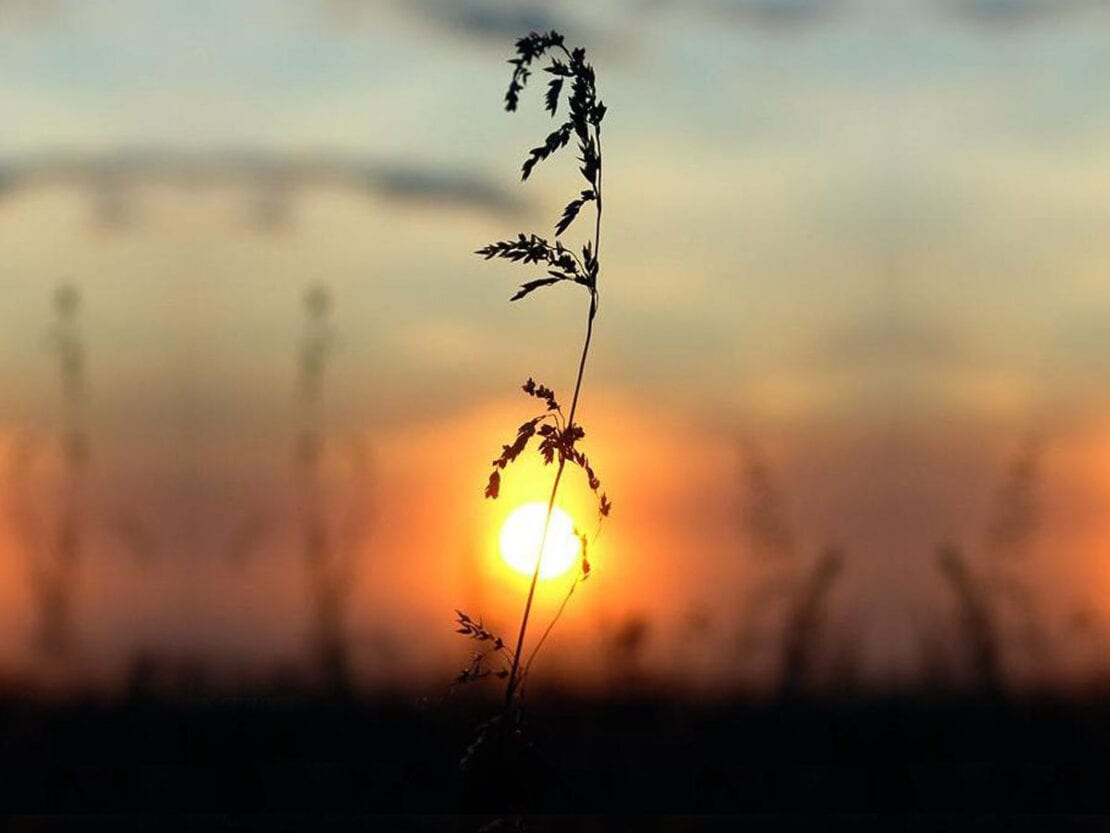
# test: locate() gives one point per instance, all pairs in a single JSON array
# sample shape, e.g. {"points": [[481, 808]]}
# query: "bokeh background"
{"points": [[850, 392]]}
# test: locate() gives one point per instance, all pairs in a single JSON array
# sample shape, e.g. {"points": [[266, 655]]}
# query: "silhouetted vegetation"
{"points": [[784, 590], [976, 618], [557, 431], [52, 539], [999, 618], [804, 620], [330, 550]]}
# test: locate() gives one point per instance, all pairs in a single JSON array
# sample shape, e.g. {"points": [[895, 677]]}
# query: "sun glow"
{"points": [[520, 540]]}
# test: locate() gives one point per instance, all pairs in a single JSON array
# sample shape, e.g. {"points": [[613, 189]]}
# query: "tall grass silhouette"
{"points": [[998, 610], [331, 523], [54, 542], [805, 619], [557, 431], [330, 554], [977, 618], [797, 589]]}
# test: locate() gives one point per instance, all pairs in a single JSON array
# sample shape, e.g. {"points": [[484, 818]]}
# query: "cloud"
{"points": [[775, 14], [772, 15], [277, 176], [442, 187], [495, 21], [1005, 14], [476, 19], [509, 20], [610, 27]]}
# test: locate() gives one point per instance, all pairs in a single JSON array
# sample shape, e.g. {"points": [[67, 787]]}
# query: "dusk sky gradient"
{"points": [[866, 238]]}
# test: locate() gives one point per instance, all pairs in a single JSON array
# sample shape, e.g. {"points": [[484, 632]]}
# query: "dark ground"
{"points": [[332, 760]]}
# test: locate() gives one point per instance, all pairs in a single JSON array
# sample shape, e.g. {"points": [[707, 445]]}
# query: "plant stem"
{"points": [[510, 687], [547, 630], [515, 674]]}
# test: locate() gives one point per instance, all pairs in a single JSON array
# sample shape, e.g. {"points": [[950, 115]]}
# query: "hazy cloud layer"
{"points": [[1013, 13], [259, 170]]}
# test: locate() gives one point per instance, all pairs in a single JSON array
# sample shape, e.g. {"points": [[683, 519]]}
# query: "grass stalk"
{"points": [[558, 433], [511, 684]]}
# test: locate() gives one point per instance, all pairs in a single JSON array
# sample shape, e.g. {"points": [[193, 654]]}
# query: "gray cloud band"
{"points": [[275, 179]]}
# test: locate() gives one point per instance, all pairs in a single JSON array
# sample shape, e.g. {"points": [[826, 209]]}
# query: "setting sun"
{"points": [[520, 539]]}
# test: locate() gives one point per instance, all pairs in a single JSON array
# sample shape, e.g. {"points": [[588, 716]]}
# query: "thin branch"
{"points": [[550, 626]]}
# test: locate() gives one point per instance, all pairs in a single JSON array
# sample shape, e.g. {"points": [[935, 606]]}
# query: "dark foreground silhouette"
{"points": [[294, 755]]}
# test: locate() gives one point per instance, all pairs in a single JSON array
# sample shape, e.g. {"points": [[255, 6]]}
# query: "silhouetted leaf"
{"points": [[528, 49], [590, 161], [590, 263], [493, 488], [530, 249], [558, 138], [551, 100], [571, 211], [532, 286], [557, 67], [476, 630], [533, 388]]}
